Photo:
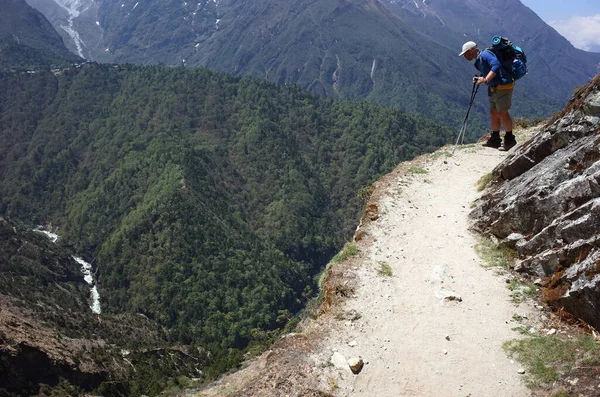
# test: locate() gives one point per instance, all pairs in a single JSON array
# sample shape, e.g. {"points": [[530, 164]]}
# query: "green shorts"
{"points": [[500, 100]]}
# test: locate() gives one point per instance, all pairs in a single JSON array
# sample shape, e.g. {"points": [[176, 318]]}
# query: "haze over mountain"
{"points": [[27, 38], [400, 53]]}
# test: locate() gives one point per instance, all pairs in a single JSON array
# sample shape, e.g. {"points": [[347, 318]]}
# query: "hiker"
{"points": [[500, 90]]}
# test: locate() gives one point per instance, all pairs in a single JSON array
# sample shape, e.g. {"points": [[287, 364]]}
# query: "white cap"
{"points": [[469, 45]]}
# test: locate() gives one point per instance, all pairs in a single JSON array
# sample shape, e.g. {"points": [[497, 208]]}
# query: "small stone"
{"points": [[339, 361], [521, 267], [447, 337], [453, 298], [356, 365], [352, 344], [551, 332], [538, 282], [521, 371], [445, 352]]}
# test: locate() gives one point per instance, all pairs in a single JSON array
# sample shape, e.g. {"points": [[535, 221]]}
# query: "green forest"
{"points": [[207, 202]]}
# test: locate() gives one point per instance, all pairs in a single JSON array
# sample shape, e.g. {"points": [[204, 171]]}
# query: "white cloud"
{"points": [[582, 32]]}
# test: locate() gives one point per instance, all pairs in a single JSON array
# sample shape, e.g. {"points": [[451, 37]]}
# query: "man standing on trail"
{"points": [[500, 90]]}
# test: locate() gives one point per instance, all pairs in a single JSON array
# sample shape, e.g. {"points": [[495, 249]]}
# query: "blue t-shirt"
{"points": [[486, 61]]}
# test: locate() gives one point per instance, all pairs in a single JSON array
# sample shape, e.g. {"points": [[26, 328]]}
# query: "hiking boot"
{"points": [[508, 144], [493, 143]]}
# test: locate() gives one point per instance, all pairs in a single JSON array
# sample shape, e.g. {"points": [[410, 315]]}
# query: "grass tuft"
{"points": [[439, 154], [484, 181], [350, 249], [521, 290], [418, 170], [494, 256], [384, 269], [548, 358]]}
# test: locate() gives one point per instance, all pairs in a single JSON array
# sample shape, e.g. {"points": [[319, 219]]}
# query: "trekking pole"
{"points": [[463, 130]]}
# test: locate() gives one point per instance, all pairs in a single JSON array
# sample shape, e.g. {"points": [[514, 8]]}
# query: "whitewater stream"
{"points": [[86, 269]]}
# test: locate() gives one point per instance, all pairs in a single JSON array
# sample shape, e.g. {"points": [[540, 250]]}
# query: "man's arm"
{"points": [[485, 80], [489, 58]]}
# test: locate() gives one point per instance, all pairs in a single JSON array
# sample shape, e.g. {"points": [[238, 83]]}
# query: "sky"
{"points": [[576, 20]]}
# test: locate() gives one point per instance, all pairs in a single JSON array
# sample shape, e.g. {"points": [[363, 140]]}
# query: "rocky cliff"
{"points": [[545, 202]]}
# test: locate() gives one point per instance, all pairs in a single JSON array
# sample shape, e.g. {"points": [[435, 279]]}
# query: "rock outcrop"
{"points": [[548, 192]]}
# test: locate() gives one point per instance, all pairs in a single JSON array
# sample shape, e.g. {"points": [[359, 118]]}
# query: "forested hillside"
{"points": [[207, 202]]}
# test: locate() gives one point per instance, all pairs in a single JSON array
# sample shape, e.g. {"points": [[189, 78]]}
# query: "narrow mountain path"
{"points": [[436, 326]]}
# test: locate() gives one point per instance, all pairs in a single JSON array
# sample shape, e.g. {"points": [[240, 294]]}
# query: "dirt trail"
{"points": [[417, 340]]}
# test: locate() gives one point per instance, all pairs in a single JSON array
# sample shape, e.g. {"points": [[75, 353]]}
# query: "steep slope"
{"points": [[414, 302], [207, 201], [51, 340], [27, 38], [556, 67]]}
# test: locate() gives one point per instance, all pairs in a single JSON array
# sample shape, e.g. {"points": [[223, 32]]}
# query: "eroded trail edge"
{"points": [[415, 303], [436, 325]]}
